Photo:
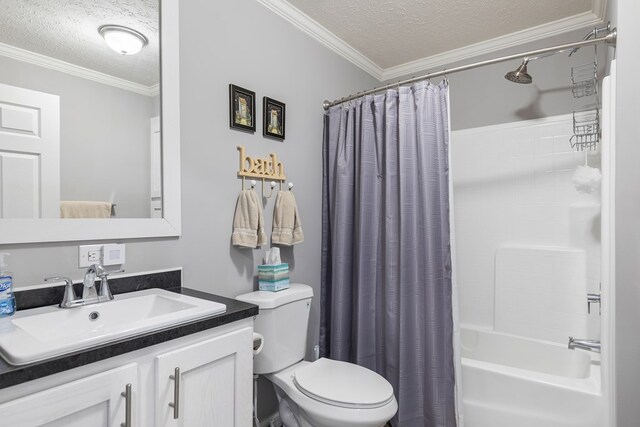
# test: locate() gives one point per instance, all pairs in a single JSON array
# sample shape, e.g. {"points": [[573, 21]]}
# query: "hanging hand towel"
{"points": [[248, 222], [287, 227], [84, 209]]}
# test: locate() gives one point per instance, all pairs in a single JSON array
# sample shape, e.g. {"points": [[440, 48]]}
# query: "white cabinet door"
{"points": [[214, 386], [95, 401], [29, 153]]}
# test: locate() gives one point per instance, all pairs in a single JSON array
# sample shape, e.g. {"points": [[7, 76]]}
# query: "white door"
{"points": [[156, 168], [95, 401], [214, 386], [29, 153]]}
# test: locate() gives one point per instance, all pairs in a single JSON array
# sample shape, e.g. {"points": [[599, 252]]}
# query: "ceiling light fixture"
{"points": [[123, 40]]}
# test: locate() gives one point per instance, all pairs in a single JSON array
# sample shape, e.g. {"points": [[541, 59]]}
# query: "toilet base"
{"points": [[287, 415], [298, 410]]}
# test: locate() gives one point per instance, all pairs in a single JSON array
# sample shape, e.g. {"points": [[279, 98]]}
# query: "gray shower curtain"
{"points": [[386, 263]]}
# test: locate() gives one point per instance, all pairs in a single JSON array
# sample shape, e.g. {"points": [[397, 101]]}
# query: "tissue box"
{"points": [[273, 273], [273, 286], [273, 277]]}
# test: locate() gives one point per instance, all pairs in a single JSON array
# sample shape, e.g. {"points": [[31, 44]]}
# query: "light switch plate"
{"points": [[113, 254]]}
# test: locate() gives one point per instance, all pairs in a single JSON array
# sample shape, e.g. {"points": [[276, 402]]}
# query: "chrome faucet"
{"points": [[89, 293], [589, 345]]}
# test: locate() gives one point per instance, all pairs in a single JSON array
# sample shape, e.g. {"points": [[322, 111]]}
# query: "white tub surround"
{"points": [[514, 381], [528, 253]]}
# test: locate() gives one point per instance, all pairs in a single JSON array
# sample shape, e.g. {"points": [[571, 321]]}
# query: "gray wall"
{"points": [[627, 205], [104, 136]]}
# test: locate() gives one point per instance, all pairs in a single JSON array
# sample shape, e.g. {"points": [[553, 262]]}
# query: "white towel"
{"points": [[248, 222], [82, 209], [287, 227]]}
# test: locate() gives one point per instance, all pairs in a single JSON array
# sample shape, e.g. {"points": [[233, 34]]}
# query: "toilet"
{"points": [[324, 393]]}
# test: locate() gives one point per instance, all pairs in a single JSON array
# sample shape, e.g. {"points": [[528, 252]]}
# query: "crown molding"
{"points": [[532, 34], [75, 70], [312, 28], [309, 26]]}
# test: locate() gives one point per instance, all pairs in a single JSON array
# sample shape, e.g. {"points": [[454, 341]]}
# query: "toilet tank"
{"points": [[283, 321]]}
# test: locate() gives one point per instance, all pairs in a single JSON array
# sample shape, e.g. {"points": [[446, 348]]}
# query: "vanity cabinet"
{"points": [[213, 387], [216, 371], [96, 400]]}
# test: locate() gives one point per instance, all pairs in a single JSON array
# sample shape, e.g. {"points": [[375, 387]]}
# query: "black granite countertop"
{"points": [[236, 310]]}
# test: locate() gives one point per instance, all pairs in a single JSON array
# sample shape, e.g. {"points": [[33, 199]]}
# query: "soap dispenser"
{"points": [[7, 300]]}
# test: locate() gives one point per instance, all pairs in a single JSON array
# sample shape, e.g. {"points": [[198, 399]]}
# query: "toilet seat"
{"points": [[313, 412], [343, 384]]}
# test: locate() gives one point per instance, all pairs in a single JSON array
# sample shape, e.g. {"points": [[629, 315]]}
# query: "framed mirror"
{"points": [[89, 129]]}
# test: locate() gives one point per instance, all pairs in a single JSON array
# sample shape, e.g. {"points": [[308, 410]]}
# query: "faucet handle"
{"points": [[66, 280], [105, 291], [593, 299], [104, 273], [69, 293]]}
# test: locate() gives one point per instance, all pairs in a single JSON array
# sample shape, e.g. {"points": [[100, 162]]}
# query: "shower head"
{"points": [[520, 74]]}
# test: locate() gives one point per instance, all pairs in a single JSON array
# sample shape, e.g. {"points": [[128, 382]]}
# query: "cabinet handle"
{"points": [[127, 411], [176, 393]]}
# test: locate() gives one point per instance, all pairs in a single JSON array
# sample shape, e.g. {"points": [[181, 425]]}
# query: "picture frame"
{"points": [[242, 108], [274, 115]]}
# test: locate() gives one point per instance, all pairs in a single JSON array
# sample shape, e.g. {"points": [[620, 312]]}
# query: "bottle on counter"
{"points": [[7, 300]]}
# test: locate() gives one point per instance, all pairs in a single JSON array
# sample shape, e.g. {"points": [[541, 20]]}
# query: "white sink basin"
{"points": [[41, 333]]}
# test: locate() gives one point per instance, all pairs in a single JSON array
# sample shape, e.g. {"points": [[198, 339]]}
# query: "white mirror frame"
{"points": [[61, 230]]}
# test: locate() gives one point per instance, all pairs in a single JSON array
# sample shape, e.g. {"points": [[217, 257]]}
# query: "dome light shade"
{"points": [[123, 40]]}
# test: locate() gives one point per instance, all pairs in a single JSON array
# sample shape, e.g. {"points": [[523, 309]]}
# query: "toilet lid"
{"points": [[343, 384]]}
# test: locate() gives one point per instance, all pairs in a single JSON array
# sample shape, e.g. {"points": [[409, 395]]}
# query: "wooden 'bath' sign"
{"points": [[268, 167]]}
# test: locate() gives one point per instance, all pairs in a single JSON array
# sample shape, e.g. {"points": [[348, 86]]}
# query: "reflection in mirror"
{"points": [[79, 118]]}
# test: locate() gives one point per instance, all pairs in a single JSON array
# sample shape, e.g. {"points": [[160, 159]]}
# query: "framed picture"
{"points": [[274, 112], [242, 108]]}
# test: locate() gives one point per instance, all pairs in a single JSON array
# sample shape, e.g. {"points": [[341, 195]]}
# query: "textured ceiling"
{"points": [[68, 30], [394, 32]]}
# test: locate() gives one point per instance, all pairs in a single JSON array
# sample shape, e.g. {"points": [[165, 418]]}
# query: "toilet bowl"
{"points": [[328, 393], [323, 393]]}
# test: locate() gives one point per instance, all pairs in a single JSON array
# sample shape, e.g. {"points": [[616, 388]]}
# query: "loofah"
{"points": [[587, 180]]}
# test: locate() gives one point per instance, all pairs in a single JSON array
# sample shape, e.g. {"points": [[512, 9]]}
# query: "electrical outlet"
{"points": [[94, 255], [89, 254]]}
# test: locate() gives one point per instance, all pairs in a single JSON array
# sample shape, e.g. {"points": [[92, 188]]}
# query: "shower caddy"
{"points": [[584, 81]]}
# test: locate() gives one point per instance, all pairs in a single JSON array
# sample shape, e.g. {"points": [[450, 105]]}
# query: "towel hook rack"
{"points": [[255, 167], [252, 183], [272, 185]]}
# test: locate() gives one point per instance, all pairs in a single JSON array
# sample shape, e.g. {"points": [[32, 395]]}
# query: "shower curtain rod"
{"points": [[609, 39]]}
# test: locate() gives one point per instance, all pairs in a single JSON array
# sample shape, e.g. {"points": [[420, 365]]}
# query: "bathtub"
{"points": [[511, 381]]}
